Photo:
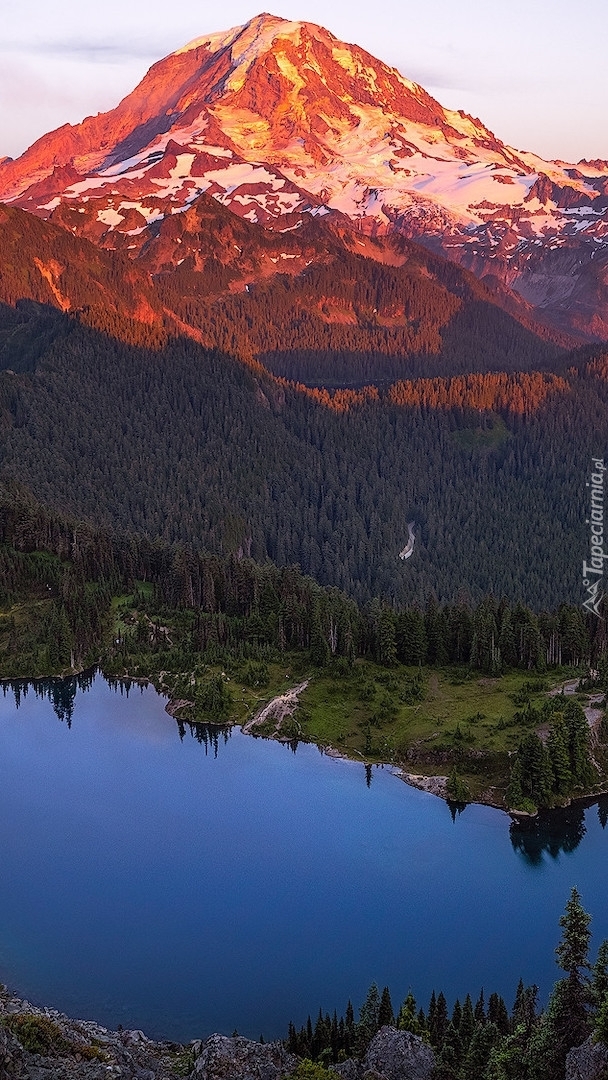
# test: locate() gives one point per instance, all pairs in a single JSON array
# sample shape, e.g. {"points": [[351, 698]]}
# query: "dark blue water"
{"points": [[181, 887]]}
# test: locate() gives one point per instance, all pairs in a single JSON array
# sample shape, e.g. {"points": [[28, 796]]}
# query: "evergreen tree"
{"points": [[480, 1009], [432, 1012], [485, 1038], [449, 1057], [578, 743], [506, 638], [524, 1009], [572, 951], [571, 994], [438, 1020], [435, 626], [410, 635], [386, 1017], [599, 978], [600, 1031], [467, 1023], [319, 648], [534, 770], [387, 643], [559, 756], [367, 1025], [408, 1019]]}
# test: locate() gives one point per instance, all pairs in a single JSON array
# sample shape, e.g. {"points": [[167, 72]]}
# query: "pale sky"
{"points": [[532, 70]]}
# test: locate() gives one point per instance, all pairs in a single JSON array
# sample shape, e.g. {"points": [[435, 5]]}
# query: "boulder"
{"points": [[223, 1058], [399, 1055], [349, 1070], [587, 1062]]}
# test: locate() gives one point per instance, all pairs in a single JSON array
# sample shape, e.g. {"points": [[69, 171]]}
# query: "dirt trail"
{"points": [[277, 710]]}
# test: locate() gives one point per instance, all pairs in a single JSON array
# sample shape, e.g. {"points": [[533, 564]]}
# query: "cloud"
{"points": [[456, 74], [113, 52]]}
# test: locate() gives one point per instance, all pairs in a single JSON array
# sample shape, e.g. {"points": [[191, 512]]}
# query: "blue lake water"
{"points": [[185, 886]]}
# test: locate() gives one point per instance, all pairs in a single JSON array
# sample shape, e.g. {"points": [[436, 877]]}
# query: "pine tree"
{"points": [[566, 1023], [408, 1019], [367, 1025], [524, 1009], [599, 978], [467, 1023], [387, 644], [535, 776], [600, 1031], [485, 1038], [439, 1023], [578, 743], [506, 639], [411, 637], [456, 1014], [572, 951], [386, 1017], [480, 1009], [559, 756]]}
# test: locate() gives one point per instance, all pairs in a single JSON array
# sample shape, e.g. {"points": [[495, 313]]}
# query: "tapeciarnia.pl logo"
{"points": [[593, 571]]}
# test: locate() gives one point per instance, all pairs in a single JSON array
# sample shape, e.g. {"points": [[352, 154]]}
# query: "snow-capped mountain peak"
{"points": [[276, 119]]}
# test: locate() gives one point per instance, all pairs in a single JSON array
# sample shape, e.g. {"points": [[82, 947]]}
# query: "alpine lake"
{"points": [[185, 880]]}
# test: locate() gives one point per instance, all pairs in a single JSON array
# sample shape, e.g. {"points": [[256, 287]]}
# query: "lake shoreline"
{"points": [[260, 725], [432, 784]]}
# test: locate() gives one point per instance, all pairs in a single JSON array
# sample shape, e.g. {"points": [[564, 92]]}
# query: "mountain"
{"points": [[320, 305], [281, 122], [43, 263], [203, 340]]}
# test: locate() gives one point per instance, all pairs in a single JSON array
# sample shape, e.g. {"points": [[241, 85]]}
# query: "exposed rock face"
{"points": [[42, 1044], [399, 1055], [10, 1055], [392, 1055], [221, 1058], [349, 1070], [587, 1062]]}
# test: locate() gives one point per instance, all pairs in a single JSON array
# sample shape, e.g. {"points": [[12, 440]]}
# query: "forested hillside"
{"points": [[188, 444]]}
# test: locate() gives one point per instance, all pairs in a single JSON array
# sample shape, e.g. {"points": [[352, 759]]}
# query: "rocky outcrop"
{"points": [[587, 1062], [399, 1055], [42, 1044], [221, 1058], [391, 1055], [10, 1055]]}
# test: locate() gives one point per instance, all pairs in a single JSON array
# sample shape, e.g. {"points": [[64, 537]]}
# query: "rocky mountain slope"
{"points": [[43, 1044], [319, 304], [281, 122]]}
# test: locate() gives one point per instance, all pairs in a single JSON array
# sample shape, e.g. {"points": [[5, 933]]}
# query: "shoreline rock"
{"points": [[44, 1044]]}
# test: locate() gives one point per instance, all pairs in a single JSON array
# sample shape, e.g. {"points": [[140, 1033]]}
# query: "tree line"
{"points": [[236, 601], [482, 1040]]}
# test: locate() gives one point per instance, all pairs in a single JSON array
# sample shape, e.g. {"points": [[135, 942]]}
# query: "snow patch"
{"points": [[109, 217]]}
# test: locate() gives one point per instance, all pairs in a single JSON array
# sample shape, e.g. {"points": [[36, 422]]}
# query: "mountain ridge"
{"points": [[280, 121]]}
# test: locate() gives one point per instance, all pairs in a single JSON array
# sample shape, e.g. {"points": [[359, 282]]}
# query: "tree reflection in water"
{"points": [[551, 832], [60, 692], [208, 735]]}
